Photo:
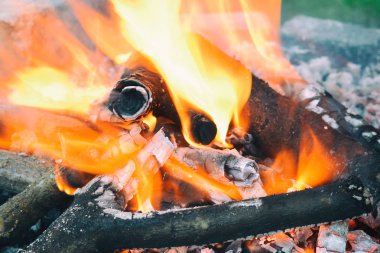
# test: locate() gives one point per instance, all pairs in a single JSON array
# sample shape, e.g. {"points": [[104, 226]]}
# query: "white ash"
{"points": [[332, 238], [301, 235], [220, 164], [372, 221], [343, 59], [118, 214], [234, 247], [310, 91], [313, 106], [256, 190], [254, 203], [361, 242], [354, 121], [357, 90], [279, 242], [330, 121], [369, 135]]}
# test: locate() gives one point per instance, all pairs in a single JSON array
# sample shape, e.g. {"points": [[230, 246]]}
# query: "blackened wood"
{"points": [[95, 223], [20, 212], [278, 122], [203, 129]]}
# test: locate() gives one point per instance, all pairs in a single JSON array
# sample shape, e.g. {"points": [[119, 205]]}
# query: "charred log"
{"points": [[203, 129], [278, 122], [19, 213], [97, 224], [140, 91]]}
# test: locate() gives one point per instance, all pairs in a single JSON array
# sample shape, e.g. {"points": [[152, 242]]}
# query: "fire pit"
{"points": [[167, 141]]}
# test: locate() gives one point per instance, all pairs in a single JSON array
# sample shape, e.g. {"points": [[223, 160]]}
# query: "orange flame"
{"points": [[55, 76], [200, 179], [314, 166], [219, 88], [246, 29]]}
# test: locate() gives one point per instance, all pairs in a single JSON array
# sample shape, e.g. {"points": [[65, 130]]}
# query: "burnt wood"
{"points": [[278, 122], [20, 212], [140, 91], [95, 222]]}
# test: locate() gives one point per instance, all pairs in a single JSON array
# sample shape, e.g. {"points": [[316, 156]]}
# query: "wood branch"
{"points": [[95, 223], [19, 213], [18, 170]]}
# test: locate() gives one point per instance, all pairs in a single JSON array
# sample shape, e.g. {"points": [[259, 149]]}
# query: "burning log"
{"points": [[98, 224], [19, 213], [332, 238], [220, 164], [277, 123], [140, 91]]}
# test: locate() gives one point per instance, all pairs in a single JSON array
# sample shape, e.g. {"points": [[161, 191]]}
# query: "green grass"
{"points": [[361, 12]]}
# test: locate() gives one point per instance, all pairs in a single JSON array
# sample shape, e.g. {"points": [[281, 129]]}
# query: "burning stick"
{"points": [[220, 164], [160, 149], [140, 91]]}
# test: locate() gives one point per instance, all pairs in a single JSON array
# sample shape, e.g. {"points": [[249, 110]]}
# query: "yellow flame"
{"points": [[199, 76], [50, 88]]}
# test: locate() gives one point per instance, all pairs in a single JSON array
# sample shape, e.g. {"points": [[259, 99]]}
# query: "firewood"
{"points": [[332, 238], [20, 212], [18, 170], [278, 122], [140, 91], [96, 223], [160, 149], [220, 164]]}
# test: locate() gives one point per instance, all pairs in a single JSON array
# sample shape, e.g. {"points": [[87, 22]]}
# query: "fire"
{"points": [[53, 77], [313, 166], [200, 179], [248, 30], [46, 87], [213, 85]]}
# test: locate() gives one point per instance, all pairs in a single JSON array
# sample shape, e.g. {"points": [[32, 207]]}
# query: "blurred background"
{"points": [[361, 12]]}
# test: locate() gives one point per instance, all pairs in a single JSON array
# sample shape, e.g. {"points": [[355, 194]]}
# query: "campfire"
{"points": [[174, 126]]}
